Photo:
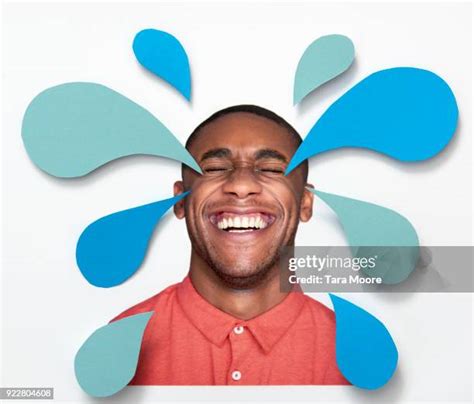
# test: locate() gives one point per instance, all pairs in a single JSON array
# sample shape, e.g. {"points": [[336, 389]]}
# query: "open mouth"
{"points": [[241, 223]]}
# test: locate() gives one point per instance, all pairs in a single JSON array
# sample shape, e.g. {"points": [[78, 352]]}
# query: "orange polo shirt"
{"points": [[188, 341]]}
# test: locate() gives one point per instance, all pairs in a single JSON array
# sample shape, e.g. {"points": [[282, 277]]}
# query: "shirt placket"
{"points": [[239, 343]]}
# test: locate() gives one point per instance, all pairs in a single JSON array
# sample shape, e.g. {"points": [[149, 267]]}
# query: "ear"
{"points": [[178, 208], [306, 206]]}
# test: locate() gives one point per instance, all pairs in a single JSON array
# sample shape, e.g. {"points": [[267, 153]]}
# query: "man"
{"points": [[228, 322]]}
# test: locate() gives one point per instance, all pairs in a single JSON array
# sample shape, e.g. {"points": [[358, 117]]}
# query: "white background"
{"points": [[239, 53]]}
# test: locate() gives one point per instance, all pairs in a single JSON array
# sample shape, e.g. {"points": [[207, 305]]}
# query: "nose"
{"points": [[242, 183]]}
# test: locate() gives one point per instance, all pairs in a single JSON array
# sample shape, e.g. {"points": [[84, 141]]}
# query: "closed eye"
{"points": [[216, 169], [271, 170]]}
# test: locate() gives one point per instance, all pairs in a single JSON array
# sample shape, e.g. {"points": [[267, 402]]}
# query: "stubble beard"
{"points": [[238, 274]]}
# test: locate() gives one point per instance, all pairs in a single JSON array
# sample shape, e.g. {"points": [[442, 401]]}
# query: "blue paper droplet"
{"points": [[111, 249], [406, 113], [107, 361], [365, 352], [162, 54]]}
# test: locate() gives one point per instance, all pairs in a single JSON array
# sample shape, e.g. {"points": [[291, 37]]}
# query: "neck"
{"points": [[242, 304]]}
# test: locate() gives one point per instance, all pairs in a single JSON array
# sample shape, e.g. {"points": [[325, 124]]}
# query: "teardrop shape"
{"points": [[108, 359], [405, 113], [111, 249], [72, 129], [373, 230], [365, 351], [326, 58], [162, 54]]}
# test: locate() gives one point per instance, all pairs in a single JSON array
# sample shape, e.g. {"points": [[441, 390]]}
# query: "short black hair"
{"points": [[255, 110]]}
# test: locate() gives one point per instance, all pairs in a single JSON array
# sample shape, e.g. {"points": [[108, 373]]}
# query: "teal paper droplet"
{"points": [[373, 230], [326, 58], [72, 129], [107, 361]]}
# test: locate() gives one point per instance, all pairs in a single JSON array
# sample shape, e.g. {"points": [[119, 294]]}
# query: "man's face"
{"points": [[243, 208]]}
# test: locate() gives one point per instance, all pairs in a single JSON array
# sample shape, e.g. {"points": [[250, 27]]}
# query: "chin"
{"points": [[243, 277]]}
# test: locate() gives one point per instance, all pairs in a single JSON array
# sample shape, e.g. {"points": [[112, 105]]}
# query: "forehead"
{"points": [[243, 133]]}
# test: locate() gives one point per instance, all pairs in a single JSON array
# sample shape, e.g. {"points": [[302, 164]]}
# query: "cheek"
{"points": [[286, 196], [201, 191]]}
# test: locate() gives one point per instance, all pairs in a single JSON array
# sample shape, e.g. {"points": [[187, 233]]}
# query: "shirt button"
{"points": [[239, 329], [236, 375]]}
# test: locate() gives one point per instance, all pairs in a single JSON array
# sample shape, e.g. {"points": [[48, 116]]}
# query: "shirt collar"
{"points": [[267, 328]]}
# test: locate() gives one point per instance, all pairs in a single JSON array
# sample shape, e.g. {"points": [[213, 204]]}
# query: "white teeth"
{"points": [[246, 223]]}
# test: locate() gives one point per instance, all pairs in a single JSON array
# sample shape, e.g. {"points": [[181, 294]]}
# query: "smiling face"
{"points": [[243, 208]]}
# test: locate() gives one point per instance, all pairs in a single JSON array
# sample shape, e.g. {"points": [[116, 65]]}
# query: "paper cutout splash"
{"points": [[405, 113], [377, 231], [108, 359], [111, 249], [162, 54], [326, 58], [72, 129], [365, 352]]}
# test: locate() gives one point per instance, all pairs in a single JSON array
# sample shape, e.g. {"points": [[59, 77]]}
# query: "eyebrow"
{"points": [[259, 155], [215, 153], [270, 153]]}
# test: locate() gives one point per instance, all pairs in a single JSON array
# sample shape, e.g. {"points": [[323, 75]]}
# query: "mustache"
{"points": [[230, 202]]}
